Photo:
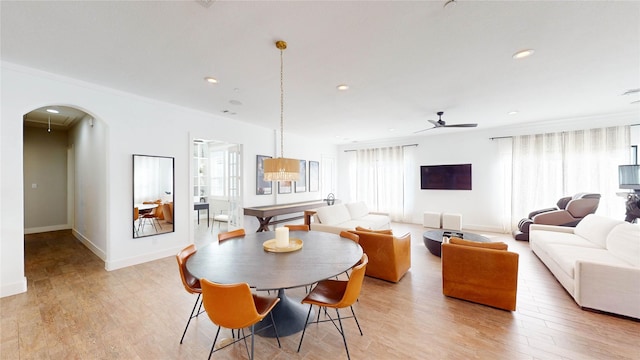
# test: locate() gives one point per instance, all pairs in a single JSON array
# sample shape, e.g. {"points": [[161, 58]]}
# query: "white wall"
{"points": [[45, 180], [481, 207], [131, 125]]}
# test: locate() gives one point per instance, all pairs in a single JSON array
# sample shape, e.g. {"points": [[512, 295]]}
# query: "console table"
{"points": [[264, 214], [201, 206]]}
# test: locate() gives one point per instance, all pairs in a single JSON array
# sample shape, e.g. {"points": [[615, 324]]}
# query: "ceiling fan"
{"points": [[441, 124]]}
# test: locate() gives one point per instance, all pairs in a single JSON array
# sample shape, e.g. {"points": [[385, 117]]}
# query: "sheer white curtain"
{"points": [[379, 180], [547, 167], [591, 164]]}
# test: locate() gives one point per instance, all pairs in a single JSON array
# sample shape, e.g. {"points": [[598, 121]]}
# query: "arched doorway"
{"points": [[64, 165]]}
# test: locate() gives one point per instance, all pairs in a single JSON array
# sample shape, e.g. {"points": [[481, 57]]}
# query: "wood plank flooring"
{"points": [[74, 309]]}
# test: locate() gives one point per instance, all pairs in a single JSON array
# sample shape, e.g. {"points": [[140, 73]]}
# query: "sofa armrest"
{"points": [[481, 275], [379, 213], [555, 228], [614, 289]]}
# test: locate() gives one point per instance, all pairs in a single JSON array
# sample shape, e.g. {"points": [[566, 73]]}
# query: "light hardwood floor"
{"points": [[74, 309]]}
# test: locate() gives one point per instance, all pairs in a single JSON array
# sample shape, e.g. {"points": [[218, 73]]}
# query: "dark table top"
{"points": [[323, 255], [436, 235]]}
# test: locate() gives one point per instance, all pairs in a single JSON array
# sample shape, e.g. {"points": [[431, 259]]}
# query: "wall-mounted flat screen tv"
{"points": [[629, 177], [445, 177]]}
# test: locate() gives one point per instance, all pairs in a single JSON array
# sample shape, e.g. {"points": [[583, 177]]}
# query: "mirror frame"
{"points": [[166, 198]]}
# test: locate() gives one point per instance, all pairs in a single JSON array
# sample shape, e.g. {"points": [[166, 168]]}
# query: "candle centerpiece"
{"points": [[282, 237]]}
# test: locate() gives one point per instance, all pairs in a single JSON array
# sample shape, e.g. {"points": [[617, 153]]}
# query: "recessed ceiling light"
{"points": [[211, 80], [512, 112], [523, 54], [392, 129], [53, 111], [343, 87], [235, 102]]}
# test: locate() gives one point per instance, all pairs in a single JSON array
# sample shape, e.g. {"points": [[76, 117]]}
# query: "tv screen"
{"points": [[445, 177], [629, 176]]}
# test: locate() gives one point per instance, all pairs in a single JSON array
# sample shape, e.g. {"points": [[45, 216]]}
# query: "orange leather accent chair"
{"points": [[484, 273], [389, 255]]}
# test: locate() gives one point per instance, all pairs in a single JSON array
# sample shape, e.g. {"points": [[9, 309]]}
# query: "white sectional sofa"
{"points": [[339, 217], [597, 262]]}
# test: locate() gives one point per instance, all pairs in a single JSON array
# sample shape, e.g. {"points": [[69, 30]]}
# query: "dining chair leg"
{"points": [[214, 342], [356, 319], [252, 341], [275, 329], [305, 327], [191, 316], [344, 339]]}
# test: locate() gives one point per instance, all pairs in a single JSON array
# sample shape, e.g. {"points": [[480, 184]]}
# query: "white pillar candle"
{"points": [[282, 237]]}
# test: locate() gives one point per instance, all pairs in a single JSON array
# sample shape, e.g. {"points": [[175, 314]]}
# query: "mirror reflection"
{"points": [[153, 189]]}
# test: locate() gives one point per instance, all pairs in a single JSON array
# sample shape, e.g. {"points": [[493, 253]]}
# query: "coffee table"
{"points": [[433, 239]]}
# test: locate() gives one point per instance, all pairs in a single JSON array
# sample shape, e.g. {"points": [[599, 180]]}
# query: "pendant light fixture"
{"points": [[281, 168]]}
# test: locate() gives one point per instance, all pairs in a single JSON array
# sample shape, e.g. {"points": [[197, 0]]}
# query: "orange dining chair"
{"points": [[190, 283], [353, 237], [350, 236], [233, 306], [230, 234], [136, 217], [337, 294], [300, 227], [151, 216]]}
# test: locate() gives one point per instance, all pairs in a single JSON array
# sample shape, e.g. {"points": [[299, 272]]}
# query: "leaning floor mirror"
{"points": [[153, 189]]}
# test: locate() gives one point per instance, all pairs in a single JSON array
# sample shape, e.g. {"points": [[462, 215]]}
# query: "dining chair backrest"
{"points": [[229, 305], [298, 227], [350, 236], [354, 284], [136, 213], [190, 282], [231, 234]]}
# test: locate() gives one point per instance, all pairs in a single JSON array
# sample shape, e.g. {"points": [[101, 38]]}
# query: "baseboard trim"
{"points": [[122, 263], [90, 245], [36, 230], [13, 288]]}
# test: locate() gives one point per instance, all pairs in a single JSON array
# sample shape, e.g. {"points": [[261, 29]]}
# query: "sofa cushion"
{"points": [[357, 209], [332, 215], [595, 228], [374, 222], [624, 242], [485, 245], [542, 237], [567, 255]]}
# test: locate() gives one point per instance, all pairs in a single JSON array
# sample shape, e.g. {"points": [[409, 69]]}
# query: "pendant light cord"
{"points": [[282, 102]]}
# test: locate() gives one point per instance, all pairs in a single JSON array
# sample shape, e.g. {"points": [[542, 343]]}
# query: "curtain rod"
{"points": [[387, 146]]}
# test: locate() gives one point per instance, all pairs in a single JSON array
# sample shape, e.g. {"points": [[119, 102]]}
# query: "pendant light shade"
{"points": [[281, 168]]}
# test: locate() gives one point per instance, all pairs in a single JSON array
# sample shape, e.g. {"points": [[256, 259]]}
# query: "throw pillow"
{"points": [[489, 245]]}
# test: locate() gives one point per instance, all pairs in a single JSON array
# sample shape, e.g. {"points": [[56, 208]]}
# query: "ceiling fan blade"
{"points": [[419, 131], [462, 125], [435, 123]]}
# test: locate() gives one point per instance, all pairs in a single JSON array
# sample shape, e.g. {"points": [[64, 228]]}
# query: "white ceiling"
{"points": [[403, 60]]}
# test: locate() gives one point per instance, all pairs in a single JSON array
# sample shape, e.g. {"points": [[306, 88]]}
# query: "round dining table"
{"points": [[245, 260]]}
